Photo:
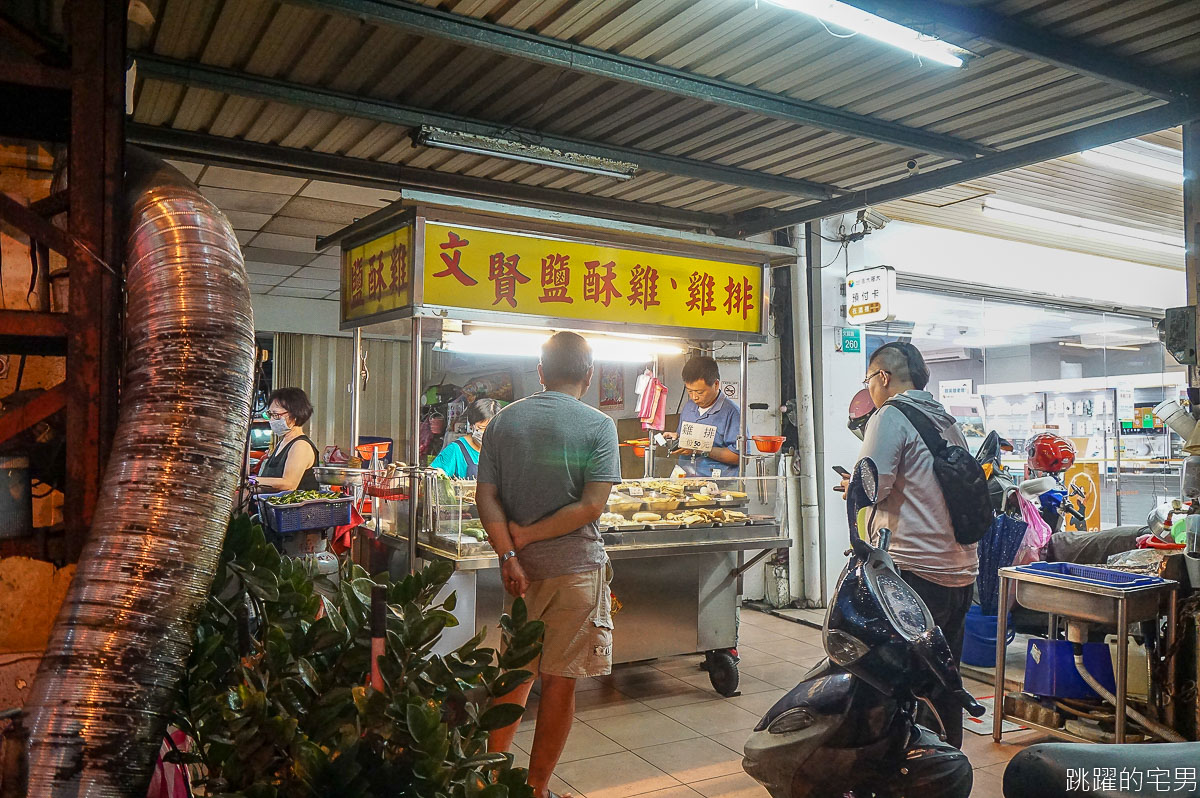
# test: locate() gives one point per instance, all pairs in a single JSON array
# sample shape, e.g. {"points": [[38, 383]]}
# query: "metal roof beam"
{"points": [[1037, 43], [203, 148], [1140, 124], [270, 89], [478, 33]]}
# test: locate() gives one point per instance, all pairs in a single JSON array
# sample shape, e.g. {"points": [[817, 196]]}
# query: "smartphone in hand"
{"points": [[844, 474]]}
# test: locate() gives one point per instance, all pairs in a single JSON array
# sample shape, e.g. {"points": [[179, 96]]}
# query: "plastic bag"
{"points": [[1037, 536], [1141, 561]]}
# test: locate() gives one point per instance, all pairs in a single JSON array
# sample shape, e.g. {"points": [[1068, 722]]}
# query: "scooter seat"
{"points": [[1055, 770]]}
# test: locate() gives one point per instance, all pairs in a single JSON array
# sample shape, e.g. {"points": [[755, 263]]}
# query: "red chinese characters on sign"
{"points": [[739, 296], [556, 278], [503, 272], [598, 282], [398, 268], [356, 282], [643, 286], [453, 259], [375, 283], [700, 293]]}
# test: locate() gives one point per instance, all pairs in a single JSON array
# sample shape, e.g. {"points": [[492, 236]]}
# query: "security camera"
{"points": [[872, 219], [913, 167]]}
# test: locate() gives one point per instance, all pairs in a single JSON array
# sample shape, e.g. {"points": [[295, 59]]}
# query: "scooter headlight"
{"points": [[793, 720], [842, 648]]}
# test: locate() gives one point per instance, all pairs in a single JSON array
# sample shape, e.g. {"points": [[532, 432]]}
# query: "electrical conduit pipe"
{"points": [[804, 557]]}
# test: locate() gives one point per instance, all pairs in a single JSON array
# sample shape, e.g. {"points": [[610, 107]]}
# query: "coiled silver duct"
{"points": [[98, 708]]}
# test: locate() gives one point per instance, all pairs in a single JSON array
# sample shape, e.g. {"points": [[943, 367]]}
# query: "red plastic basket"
{"points": [[381, 486]]}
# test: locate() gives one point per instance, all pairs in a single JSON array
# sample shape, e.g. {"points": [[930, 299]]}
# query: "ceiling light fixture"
{"points": [[1113, 347], [496, 147], [1139, 158], [505, 342], [879, 29], [1093, 229]]}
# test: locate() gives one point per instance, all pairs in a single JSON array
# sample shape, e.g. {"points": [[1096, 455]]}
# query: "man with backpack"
{"points": [[926, 521]]}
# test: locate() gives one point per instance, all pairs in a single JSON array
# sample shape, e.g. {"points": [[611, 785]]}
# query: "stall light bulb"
{"points": [[514, 343]]}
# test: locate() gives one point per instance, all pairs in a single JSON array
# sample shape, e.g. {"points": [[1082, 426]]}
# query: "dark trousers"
{"points": [[948, 606]]}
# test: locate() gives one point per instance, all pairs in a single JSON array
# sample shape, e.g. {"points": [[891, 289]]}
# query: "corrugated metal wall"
{"points": [[323, 366]]}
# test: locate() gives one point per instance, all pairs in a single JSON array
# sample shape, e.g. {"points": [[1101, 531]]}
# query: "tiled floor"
{"points": [[657, 730]]}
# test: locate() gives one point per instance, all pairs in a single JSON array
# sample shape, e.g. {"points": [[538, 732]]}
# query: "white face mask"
{"points": [[477, 434], [279, 426]]}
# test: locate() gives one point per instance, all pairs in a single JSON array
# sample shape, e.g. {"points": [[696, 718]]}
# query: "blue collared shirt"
{"points": [[725, 416]]}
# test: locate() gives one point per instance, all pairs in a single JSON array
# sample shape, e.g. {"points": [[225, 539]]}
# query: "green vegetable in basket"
{"points": [[300, 496]]}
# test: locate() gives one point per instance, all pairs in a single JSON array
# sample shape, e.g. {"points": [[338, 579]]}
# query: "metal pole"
{"points": [[1001, 659], [356, 390], [1116, 450], [743, 375], [1122, 668], [414, 441], [1191, 225]]}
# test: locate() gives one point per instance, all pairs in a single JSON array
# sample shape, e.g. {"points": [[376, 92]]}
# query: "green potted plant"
{"points": [[276, 702]]}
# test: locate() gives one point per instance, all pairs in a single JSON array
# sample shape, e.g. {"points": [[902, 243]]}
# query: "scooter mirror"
{"points": [[867, 475]]}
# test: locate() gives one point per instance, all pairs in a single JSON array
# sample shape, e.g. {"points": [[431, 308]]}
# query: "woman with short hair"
{"points": [[460, 458], [289, 465]]}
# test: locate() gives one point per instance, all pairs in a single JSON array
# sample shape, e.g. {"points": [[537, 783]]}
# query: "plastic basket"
{"points": [[381, 486], [313, 514], [1090, 574]]}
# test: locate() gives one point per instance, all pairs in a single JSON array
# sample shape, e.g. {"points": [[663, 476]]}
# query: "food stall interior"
{"points": [[479, 293]]}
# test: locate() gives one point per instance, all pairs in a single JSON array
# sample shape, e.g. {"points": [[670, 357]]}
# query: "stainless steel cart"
{"points": [[1085, 601]]}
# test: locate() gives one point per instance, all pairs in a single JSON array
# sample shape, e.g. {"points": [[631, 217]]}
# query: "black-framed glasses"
{"points": [[268, 414], [873, 375]]}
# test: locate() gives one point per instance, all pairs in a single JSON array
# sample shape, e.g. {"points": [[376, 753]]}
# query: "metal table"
{"points": [[1101, 604]]}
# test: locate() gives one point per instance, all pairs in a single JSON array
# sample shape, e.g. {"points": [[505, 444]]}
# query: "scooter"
{"points": [[849, 728], [1059, 770]]}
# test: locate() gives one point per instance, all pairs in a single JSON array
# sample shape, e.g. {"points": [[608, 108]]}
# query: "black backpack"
{"points": [[961, 477]]}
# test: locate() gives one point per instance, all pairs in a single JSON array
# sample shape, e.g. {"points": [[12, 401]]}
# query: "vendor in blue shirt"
{"points": [[460, 458], [707, 405]]}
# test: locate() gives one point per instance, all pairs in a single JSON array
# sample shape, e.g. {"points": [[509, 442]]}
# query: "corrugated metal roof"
{"points": [[1002, 100]]}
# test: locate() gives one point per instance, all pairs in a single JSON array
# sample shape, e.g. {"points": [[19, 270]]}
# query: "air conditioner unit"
{"points": [[948, 355]]}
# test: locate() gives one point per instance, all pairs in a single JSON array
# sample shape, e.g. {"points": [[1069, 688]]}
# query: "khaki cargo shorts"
{"points": [[577, 611]]}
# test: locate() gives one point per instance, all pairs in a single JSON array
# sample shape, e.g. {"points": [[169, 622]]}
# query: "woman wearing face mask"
{"points": [[460, 459], [289, 464]]}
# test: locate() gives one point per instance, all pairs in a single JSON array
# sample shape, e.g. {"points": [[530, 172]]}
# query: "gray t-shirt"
{"points": [[540, 452]]}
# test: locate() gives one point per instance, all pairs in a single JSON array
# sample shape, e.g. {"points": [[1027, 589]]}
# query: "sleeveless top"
{"points": [[274, 464]]}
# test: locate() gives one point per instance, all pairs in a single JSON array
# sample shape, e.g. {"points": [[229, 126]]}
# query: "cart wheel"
{"points": [[723, 672]]}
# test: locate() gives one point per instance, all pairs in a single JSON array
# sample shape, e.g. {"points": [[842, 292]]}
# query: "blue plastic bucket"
{"points": [[979, 638]]}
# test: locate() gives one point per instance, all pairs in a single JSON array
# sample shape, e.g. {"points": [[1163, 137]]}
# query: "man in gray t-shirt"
{"points": [[546, 468]]}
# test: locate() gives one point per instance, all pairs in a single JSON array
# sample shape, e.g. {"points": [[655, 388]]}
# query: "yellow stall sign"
{"points": [[375, 276], [476, 269]]}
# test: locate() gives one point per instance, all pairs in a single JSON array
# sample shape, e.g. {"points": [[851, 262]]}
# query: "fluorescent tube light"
{"points": [[502, 342], [1139, 158], [1100, 346], [496, 147], [1093, 229], [879, 29]]}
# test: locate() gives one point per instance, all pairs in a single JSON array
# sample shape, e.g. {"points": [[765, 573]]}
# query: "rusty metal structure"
{"points": [[75, 99]]}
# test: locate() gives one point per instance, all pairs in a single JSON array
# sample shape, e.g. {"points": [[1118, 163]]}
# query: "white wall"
{"points": [[966, 259], [285, 314]]}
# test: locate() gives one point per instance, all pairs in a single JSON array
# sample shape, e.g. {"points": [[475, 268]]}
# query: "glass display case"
{"points": [[640, 514]]}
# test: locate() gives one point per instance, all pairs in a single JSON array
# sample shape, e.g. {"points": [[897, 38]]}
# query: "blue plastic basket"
{"points": [[314, 514], [1090, 574]]}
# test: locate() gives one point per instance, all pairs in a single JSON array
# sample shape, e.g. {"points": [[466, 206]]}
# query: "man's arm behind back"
{"points": [[566, 519]]}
